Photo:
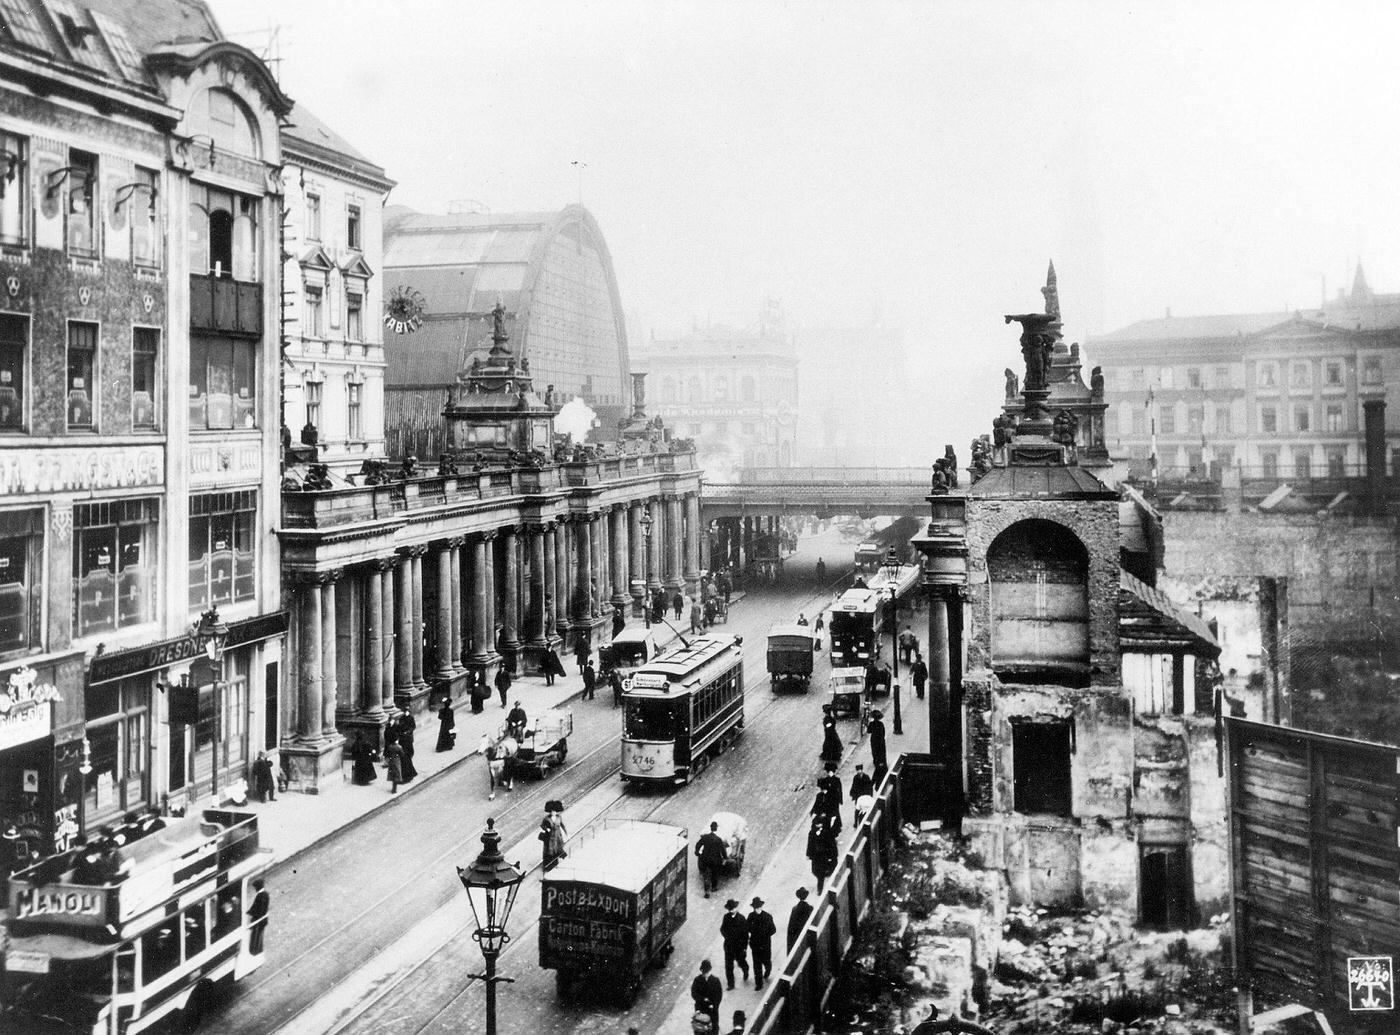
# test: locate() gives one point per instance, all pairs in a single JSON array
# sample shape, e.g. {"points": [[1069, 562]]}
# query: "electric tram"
{"points": [[682, 708]]}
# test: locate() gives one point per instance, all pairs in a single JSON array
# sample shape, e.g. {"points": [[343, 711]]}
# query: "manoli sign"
{"points": [[24, 708], [64, 469]]}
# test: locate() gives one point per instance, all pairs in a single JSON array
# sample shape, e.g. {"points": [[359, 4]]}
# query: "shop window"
{"points": [[82, 372], [352, 227], [145, 353], [1268, 420], [222, 553], [21, 578], [354, 430], [1333, 374], [223, 234], [113, 564], [14, 347], [1336, 420], [80, 211], [1165, 887], [14, 190], [313, 217], [223, 390], [1040, 759], [143, 204], [354, 316], [118, 733]]}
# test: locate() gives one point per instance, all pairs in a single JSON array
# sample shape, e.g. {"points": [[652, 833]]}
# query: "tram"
{"points": [[682, 708], [859, 615], [120, 949]]}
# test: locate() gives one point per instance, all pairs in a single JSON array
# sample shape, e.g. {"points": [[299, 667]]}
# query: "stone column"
{"points": [[403, 645], [637, 558], [537, 628], [704, 541], [415, 555], [384, 571], [672, 578], [598, 554], [329, 682], [618, 566], [482, 647], [563, 601], [510, 605], [490, 569], [583, 570], [653, 545], [444, 612], [372, 704], [454, 546], [939, 672], [309, 664], [551, 579], [691, 571]]}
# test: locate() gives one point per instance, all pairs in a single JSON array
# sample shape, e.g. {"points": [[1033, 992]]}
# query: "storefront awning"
{"points": [[124, 664]]}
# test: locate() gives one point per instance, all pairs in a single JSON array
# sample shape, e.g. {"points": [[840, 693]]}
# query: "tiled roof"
{"points": [[306, 127], [1147, 616], [1032, 482], [1193, 327]]}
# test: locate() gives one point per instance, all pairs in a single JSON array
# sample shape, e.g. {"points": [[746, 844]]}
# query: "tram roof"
{"points": [[854, 600], [684, 660]]}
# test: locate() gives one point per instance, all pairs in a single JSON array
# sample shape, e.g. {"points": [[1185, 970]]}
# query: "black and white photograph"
{"points": [[699, 517]]}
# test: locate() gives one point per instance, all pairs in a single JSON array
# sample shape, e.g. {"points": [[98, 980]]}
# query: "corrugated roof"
{"points": [[427, 356], [1146, 614]]}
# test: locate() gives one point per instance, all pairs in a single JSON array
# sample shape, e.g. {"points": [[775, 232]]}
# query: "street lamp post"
{"points": [[491, 884], [891, 567], [211, 634], [645, 522]]}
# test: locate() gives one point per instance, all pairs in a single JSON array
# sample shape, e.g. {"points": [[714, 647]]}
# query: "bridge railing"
{"points": [[834, 475]]}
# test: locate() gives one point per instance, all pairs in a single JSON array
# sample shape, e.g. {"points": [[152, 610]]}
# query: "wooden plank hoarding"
{"points": [[1315, 862]]}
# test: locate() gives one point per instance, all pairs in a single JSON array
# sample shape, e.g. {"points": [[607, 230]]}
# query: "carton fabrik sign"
{"points": [[24, 708]]}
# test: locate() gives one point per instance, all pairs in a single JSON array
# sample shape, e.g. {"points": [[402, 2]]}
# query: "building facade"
{"points": [[734, 393], [1278, 396], [333, 294], [138, 406]]}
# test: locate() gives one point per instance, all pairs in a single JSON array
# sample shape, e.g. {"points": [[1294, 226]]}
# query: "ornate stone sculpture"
{"points": [[409, 469], [950, 465], [1065, 428], [1013, 383], [447, 465], [1096, 382], [317, 478]]}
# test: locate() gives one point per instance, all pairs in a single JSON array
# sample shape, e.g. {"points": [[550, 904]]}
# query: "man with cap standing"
{"points": [[797, 919], [761, 931], [861, 783], [734, 929]]}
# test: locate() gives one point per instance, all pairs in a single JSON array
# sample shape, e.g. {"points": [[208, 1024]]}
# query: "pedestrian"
{"points": [[821, 849], [706, 992], [725, 584], [393, 763], [830, 785], [503, 682], [550, 665], [861, 783], [877, 676], [761, 931], [697, 617], [362, 769], [407, 724], [447, 723], [590, 681], [552, 833], [821, 568], [802, 619], [831, 739], [257, 917], [740, 1020], [583, 649], [734, 930], [797, 919], [863, 805], [476, 687], [918, 672], [263, 782], [677, 604], [710, 853], [877, 745], [516, 721], [615, 681], [817, 633], [710, 611]]}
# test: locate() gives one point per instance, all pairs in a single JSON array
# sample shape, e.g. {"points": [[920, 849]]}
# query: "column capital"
{"points": [[314, 578], [455, 543], [385, 563], [417, 550], [488, 535], [536, 527]]}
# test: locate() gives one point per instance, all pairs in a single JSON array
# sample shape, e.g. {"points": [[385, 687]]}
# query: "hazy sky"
{"points": [[915, 162]]}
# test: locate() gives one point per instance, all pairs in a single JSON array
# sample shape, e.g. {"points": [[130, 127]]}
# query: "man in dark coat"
{"points": [[503, 683], [257, 917], [263, 781], [710, 852], [583, 650], [706, 992], [677, 604], [861, 783], [734, 929], [918, 673], [407, 724], [550, 665], [797, 919], [761, 931], [724, 586], [615, 681], [821, 849], [877, 744], [619, 621], [477, 689], [516, 720], [393, 763], [590, 681], [362, 755]]}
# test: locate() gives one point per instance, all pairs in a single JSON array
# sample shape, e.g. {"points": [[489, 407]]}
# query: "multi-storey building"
{"points": [[1276, 395], [139, 207], [734, 393], [333, 293]]}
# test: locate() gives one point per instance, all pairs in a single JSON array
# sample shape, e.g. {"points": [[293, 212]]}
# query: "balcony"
{"points": [[226, 306]]}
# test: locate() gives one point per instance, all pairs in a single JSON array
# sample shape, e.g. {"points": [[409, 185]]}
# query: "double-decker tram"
{"points": [[118, 937], [681, 708], [856, 620]]}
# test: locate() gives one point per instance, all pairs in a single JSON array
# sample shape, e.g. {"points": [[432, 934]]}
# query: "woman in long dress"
{"points": [[831, 738], [406, 727], [362, 754], [447, 721]]}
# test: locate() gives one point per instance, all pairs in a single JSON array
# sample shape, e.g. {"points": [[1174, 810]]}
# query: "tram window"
{"points": [[226, 911], [160, 951], [126, 968], [195, 932], [650, 720]]}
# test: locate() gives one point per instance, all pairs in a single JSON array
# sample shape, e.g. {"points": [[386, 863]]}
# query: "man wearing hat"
{"points": [[706, 993], [797, 919], [734, 929], [876, 730], [761, 931]]}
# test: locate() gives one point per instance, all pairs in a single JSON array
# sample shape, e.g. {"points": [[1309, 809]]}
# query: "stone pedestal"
{"points": [[311, 765], [370, 727]]}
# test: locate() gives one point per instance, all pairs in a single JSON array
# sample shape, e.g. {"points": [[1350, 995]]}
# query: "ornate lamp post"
{"points": [[491, 884], [211, 634], [645, 522], [891, 572]]}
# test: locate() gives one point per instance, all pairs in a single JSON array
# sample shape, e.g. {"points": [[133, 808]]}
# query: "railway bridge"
{"points": [[823, 491]]}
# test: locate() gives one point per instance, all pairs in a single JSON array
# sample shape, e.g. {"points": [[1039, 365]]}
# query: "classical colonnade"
{"points": [[375, 637]]}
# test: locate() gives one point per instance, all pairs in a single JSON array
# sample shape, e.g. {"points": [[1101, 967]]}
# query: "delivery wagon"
{"points": [[610, 909], [790, 655]]}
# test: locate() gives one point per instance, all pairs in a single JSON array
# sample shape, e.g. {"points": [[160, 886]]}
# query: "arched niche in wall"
{"points": [[1038, 572]]}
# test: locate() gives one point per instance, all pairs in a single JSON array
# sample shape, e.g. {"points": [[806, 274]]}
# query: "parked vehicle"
{"points": [[121, 955], [610, 909], [628, 651], [847, 689], [681, 709], [545, 744], [734, 832], [790, 655]]}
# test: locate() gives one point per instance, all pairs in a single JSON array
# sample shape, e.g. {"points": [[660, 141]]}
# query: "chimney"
{"points": [[1375, 454]]}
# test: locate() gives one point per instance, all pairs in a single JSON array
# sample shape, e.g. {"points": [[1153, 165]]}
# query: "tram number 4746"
{"points": [[643, 762]]}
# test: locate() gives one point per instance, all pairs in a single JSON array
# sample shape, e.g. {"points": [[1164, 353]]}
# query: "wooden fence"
{"points": [[796, 1000]]}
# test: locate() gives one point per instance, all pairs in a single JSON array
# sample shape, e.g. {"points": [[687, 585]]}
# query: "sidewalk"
{"points": [[296, 822]]}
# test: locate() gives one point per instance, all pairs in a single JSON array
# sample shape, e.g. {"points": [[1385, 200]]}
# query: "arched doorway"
{"points": [[1040, 604]]}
